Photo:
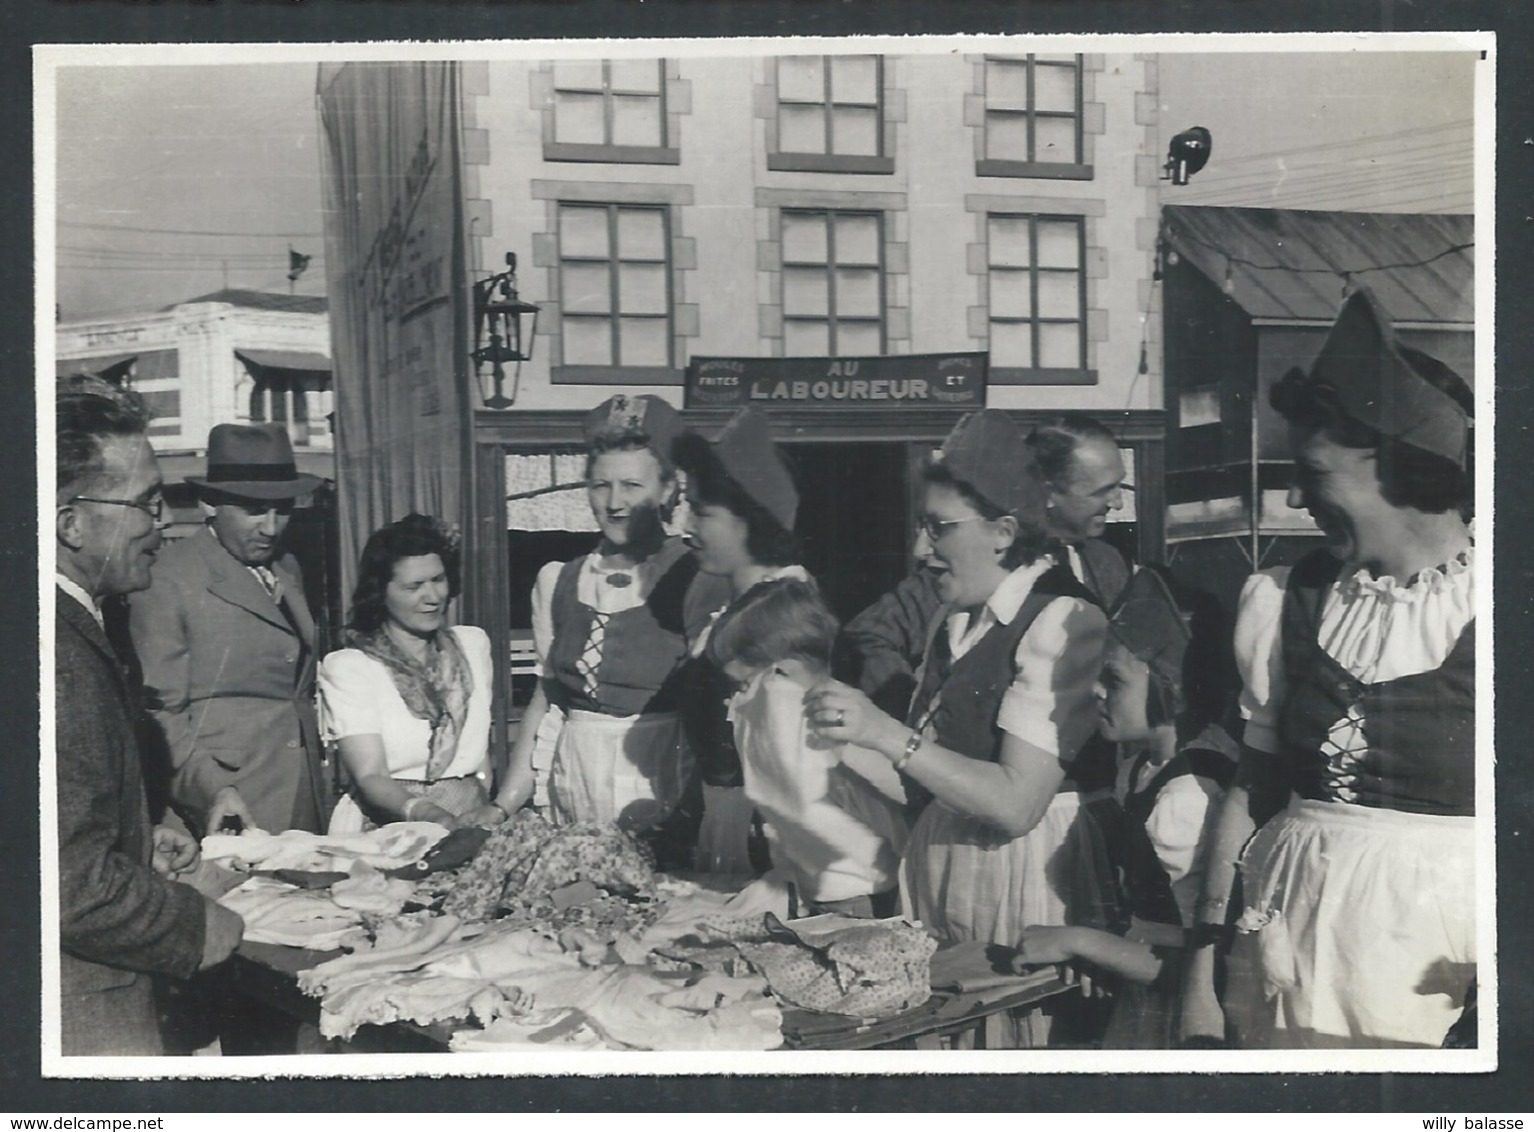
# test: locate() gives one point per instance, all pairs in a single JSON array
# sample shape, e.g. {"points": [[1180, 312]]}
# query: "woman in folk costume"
{"points": [[1004, 701], [408, 701], [1163, 691], [610, 630], [1356, 925], [742, 503]]}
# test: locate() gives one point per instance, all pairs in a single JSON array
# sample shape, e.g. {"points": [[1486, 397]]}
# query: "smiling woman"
{"points": [[610, 632], [1004, 706], [408, 702], [1353, 813]]}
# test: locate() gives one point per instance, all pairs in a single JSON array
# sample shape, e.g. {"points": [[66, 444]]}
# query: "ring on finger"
{"points": [[841, 718]]}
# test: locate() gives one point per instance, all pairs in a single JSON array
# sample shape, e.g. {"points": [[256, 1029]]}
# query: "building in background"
{"points": [[844, 233], [232, 356], [1250, 293]]}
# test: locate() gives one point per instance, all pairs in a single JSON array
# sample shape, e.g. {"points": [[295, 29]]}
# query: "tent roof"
{"points": [[1291, 263]]}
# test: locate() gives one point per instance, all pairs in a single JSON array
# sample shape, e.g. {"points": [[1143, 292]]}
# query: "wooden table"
{"points": [[268, 974]]}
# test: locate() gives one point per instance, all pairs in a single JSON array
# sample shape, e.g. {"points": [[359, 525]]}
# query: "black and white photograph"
{"points": [[946, 554]]}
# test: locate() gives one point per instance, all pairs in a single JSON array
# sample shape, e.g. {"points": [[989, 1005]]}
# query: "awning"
{"points": [[110, 367], [306, 360]]}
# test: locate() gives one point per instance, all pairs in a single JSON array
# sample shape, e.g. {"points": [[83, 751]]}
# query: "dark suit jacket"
{"points": [[120, 922], [229, 680]]}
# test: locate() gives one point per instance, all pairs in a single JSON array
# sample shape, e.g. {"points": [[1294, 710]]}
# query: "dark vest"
{"points": [[642, 652], [973, 686], [1420, 729], [1146, 883]]}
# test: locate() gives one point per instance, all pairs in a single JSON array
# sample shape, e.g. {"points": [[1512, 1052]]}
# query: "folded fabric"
{"points": [[366, 889], [389, 847], [525, 989], [869, 968], [275, 912]]}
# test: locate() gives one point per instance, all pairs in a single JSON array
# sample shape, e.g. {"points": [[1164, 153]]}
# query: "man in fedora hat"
{"points": [[227, 645]]}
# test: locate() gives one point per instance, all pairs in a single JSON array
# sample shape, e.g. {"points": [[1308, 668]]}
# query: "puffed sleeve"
{"points": [[348, 682], [543, 611], [1259, 656], [475, 643], [1051, 703]]}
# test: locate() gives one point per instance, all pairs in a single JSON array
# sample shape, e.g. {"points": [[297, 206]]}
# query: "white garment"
{"points": [[837, 833], [77, 591], [1375, 628], [1181, 822], [358, 697], [1358, 931], [1051, 701], [630, 770]]}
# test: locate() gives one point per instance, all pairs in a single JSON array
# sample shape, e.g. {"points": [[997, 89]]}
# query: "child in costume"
{"points": [[1174, 766]]}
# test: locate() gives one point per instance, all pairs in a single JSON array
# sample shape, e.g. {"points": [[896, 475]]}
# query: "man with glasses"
{"points": [[227, 645], [123, 918]]}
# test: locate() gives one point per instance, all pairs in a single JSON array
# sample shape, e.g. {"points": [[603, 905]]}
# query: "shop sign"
{"points": [[904, 381]]}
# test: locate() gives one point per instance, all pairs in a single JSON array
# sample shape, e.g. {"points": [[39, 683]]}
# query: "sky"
{"points": [[151, 157], [174, 181]]}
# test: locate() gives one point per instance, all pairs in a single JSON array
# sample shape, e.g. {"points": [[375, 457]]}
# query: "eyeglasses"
{"points": [[935, 529], [154, 508]]}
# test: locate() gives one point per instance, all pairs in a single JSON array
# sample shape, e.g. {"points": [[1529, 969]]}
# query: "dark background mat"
{"points": [[25, 22]]}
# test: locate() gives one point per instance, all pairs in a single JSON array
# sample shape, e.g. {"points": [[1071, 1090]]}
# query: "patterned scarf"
{"points": [[437, 691]]}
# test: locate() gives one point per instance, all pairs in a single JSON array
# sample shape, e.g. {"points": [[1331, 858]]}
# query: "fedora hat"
{"points": [[253, 462]]}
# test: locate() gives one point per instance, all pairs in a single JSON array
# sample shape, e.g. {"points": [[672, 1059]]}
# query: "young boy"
{"points": [[1160, 695], [834, 814]]}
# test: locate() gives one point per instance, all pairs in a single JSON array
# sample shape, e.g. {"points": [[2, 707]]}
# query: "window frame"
{"points": [[1035, 374], [830, 266], [607, 150], [987, 166], [617, 371], [832, 162]]}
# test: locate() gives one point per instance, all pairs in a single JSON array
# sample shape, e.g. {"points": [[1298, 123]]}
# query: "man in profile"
{"points": [[123, 918]]}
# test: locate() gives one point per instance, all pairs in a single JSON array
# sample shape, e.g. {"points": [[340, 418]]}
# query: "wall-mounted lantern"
{"points": [[502, 323]]}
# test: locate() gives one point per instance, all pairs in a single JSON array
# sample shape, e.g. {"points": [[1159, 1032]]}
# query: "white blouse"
{"points": [[1376, 628], [1050, 702], [358, 697]]}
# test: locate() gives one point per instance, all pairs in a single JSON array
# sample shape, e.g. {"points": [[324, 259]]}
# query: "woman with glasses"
{"points": [[1003, 704]]}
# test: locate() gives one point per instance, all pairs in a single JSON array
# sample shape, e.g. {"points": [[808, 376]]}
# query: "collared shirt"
{"points": [[75, 590], [263, 574]]}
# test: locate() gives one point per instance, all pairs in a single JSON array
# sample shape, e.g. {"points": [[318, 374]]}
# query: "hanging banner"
{"points": [[910, 381], [392, 230]]}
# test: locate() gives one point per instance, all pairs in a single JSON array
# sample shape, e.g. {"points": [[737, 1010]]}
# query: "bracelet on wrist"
{"points": [[912, 745], [1204, 934]]}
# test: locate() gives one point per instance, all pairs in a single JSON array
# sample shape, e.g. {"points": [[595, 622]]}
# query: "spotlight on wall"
{"points": [[1186, 155]]}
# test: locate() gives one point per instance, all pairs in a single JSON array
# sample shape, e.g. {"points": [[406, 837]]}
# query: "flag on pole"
{"points": [[296, 264]]}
